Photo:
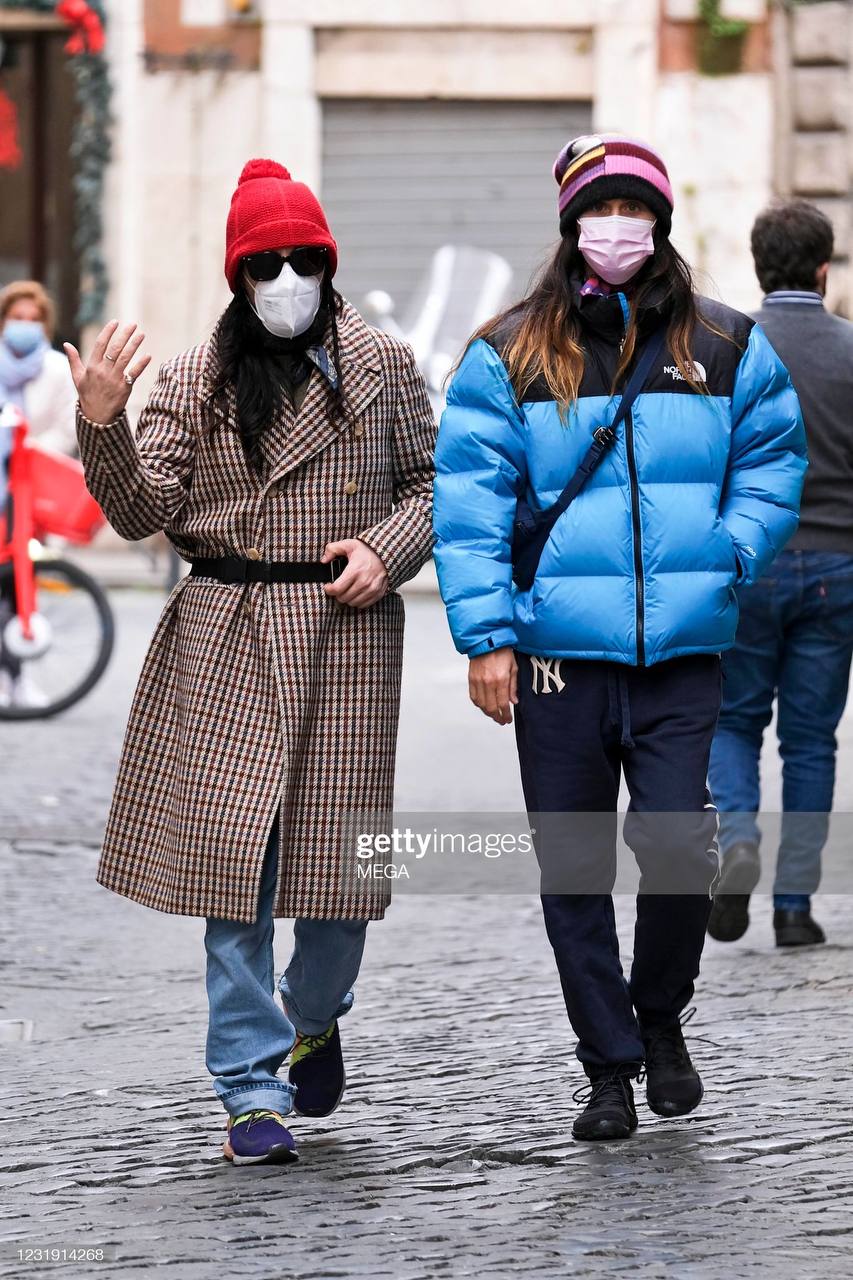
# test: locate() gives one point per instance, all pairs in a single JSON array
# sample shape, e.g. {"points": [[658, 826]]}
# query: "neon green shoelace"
{"points": [[254, 1116], [304, 1045]]}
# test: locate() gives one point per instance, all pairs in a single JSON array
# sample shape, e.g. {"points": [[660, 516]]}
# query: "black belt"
{"points": [[231, 569]]}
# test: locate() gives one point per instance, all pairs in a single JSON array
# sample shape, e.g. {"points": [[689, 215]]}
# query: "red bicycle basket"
{"points": [[62, 504]]}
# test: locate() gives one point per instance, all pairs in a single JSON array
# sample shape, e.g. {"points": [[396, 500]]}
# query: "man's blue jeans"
{"points": [[249, 1034], [794, 642]]}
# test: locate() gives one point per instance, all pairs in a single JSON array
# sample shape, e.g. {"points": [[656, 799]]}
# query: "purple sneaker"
{"points": [[259, 1137]]}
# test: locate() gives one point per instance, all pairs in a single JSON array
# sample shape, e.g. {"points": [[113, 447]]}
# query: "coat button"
{"points": [[350, 487], [358, 430], [253, 553]]}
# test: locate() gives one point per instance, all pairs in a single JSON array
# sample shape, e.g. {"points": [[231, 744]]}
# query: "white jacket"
{"points": [[49, 404]]}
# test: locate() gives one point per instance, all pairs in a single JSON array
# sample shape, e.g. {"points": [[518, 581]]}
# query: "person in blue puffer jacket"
{"points": [[612, 657]]}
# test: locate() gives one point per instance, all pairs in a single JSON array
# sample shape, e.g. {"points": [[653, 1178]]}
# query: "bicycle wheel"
{"points": [[82, 632]]}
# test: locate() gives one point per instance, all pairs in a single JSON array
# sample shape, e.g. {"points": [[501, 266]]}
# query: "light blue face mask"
{"points": [[23, 336]]}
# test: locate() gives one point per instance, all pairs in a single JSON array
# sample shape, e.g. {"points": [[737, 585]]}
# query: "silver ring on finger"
{"points": [[111, 359], [128, 379]]}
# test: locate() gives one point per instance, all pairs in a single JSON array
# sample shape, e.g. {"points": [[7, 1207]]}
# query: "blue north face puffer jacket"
{"points": [[697, 493]]}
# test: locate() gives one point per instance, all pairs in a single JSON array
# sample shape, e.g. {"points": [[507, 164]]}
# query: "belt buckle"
{"points": [[336, 571]]}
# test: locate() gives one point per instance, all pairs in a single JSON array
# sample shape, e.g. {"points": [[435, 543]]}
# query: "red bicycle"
{"points": [[56, 624]]}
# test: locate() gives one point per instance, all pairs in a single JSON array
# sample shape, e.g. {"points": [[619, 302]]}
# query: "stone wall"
{"points": [[815, 143]]}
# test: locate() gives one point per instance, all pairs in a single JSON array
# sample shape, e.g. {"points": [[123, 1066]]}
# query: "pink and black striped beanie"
{"points": [[606, 166]]}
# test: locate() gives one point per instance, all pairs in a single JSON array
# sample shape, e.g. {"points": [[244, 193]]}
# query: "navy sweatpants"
{"points": [[578, 726]]}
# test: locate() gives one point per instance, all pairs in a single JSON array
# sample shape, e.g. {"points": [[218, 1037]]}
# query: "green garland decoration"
{"points": [[719, 40], [719, 26], [90, 152]]}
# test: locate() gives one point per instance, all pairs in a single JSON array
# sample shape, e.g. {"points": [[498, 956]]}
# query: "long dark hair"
{"points": [[546, 327], [258, 364]]}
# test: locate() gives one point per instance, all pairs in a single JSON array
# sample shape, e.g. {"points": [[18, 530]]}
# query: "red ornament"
{"points": [[10, 152], [88, 36]]}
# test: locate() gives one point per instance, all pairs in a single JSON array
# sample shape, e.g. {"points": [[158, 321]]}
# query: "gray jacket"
{"points": [[817, 348]]}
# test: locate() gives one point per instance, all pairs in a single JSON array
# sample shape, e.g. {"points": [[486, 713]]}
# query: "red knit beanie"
{"points": [[271, 211]]}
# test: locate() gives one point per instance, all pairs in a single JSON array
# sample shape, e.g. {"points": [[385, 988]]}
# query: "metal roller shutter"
{"points": [[402, 178]]}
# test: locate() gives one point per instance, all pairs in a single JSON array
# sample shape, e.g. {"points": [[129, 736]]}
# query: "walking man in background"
{"points": [[795, 635]]}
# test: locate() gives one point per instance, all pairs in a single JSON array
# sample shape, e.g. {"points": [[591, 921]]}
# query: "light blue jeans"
{"points": [[249, 1033]]}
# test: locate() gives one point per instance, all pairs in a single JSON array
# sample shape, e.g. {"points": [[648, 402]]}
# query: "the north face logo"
{"points": [[696, 369]]}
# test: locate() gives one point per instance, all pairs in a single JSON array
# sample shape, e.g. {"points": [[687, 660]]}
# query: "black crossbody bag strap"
{"points": [[533, 528], [605, 437]]}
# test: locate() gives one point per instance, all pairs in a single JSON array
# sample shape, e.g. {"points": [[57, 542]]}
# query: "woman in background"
{"points": [[38, 381], [32, 375]]}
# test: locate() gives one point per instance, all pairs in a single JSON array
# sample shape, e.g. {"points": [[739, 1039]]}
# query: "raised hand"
{"points": [[105, 383]]}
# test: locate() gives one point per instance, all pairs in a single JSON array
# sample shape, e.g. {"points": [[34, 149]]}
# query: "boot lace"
{"points": [[609, 1086], [665, 1047]]}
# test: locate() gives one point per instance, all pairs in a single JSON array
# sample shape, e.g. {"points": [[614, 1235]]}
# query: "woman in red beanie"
{"points": [[289, 459]]}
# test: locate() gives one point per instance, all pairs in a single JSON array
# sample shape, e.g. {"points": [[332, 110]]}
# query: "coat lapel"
{"points": [[292, 438], [315, 426]]}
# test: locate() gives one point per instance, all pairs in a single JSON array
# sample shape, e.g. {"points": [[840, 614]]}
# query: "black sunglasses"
{"points": [[309, 260]]}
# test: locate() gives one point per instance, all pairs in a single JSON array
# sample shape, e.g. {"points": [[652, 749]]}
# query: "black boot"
{"points": [[673, 1086], [796, 929], [609, 1112], [740, 874]]}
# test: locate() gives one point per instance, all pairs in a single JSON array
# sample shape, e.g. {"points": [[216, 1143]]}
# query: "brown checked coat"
{"points": [[259, 699]]}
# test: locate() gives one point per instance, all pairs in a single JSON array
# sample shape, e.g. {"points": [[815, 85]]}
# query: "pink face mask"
{"points": [[615, 247]]}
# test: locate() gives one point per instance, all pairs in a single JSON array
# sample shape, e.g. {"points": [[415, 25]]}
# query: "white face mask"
{"points": [[616, 247], [287, 305]]}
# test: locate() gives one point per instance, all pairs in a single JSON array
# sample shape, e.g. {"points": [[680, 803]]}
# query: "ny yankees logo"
{"points": [[548, 671]]}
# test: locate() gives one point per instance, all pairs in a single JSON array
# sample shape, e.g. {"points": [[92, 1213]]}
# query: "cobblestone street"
{"points": [[452, 1153]]}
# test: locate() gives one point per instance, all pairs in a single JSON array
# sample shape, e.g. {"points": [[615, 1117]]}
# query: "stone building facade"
{"points": [[813, 78], [420, 123]]}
